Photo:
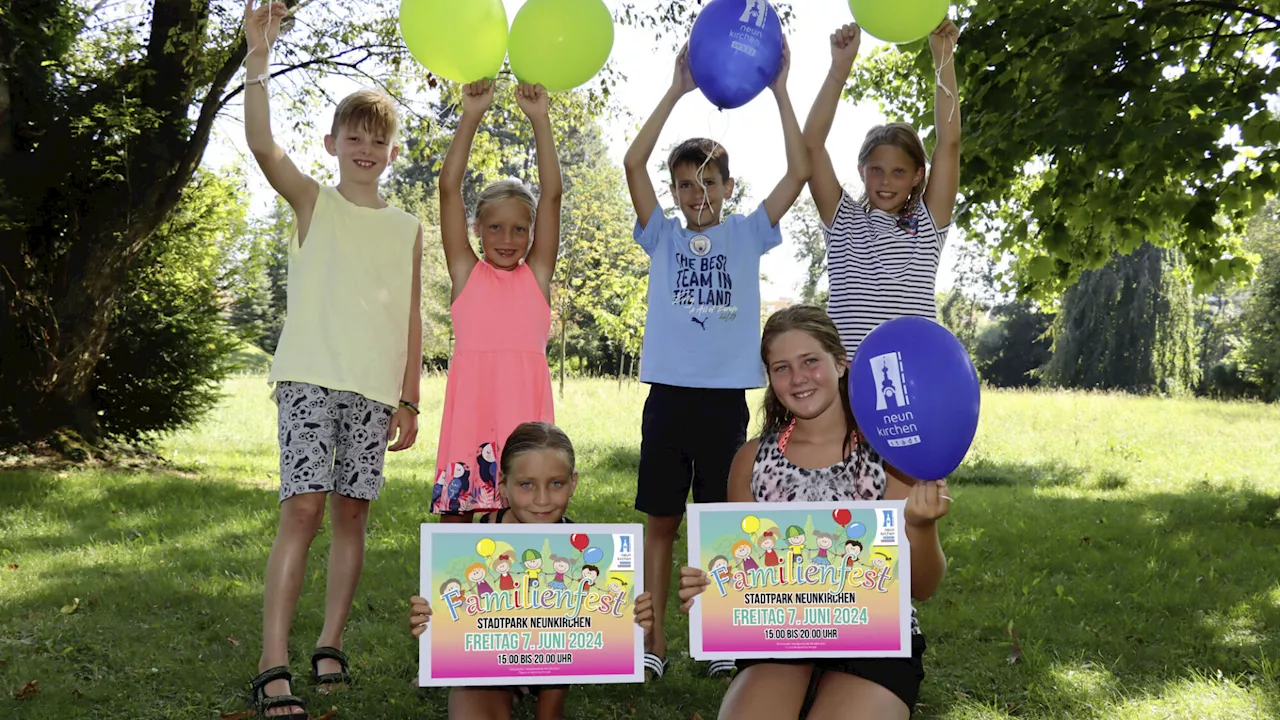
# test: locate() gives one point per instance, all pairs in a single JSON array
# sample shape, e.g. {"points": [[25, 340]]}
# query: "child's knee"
{"points": [[662, 528], [348, 514], [470, 703], [301, 515]]}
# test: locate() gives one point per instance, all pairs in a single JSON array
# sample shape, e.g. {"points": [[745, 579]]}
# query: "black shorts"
{"points": [[688, 436], [900, 676]]}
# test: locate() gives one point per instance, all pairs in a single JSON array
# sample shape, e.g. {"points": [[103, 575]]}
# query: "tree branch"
{"points": [[1233, 8]]}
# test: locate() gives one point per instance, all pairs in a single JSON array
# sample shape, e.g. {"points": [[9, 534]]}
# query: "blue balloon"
{"points": [[735, 50], [915, 395], [592, 555], [855, 531]]}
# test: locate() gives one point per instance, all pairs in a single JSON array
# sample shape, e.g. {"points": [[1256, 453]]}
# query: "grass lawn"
{"points": [[1110, 557]]}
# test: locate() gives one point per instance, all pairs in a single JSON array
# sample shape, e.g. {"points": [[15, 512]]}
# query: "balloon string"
{"points": [[701, 168], [270, 46], [951, 53]]}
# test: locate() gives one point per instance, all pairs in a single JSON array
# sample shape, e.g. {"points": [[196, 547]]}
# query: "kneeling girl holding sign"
{"points": [[537, 480], [810, 450]]}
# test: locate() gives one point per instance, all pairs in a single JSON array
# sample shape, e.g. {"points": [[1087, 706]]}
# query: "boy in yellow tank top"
{"points": [[346, 371]]}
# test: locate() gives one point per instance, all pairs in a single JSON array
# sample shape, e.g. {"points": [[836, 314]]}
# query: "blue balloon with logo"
{"points": [[915, 396], [735, 50]]}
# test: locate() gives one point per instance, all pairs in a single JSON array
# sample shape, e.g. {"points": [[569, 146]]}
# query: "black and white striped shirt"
{"points": [[879, 271]]}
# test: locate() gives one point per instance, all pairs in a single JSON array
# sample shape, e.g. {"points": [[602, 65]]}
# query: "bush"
{"points": [[169, 344]]}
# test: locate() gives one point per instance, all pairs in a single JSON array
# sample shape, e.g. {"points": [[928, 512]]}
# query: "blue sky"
{"points": [[752, 134]]}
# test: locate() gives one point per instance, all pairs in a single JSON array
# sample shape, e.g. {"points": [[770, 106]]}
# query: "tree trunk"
{"points": [[81, 193], [621, 356]]}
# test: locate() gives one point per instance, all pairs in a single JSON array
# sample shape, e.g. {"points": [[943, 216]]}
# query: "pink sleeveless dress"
{"points": [[498, 378]]}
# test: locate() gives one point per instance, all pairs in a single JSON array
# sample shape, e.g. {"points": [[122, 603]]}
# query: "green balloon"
{"points": [[459, 40], [900, 21], [560, 43]]}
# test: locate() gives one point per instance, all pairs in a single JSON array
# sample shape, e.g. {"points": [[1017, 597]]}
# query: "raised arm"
{"points": [[458, 253], [944, 177], [532, 100], [261, 28], [823, 183], [788, 188], [636, 161]]}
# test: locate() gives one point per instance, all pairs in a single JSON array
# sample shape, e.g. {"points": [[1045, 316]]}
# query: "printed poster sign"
{"points": [[516, 604], [800, 580]]}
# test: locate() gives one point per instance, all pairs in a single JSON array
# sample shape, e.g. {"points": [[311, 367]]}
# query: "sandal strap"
{"points": [[329, 653], [277, 701], [258, 684], [655, 664]]}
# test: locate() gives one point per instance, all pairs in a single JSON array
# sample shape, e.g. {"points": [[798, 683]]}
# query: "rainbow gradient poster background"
{"points": [[520, 612], [800, 580]]}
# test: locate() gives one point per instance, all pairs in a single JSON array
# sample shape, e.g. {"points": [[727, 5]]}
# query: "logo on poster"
{"points": [[624, 558], [887, 531]]}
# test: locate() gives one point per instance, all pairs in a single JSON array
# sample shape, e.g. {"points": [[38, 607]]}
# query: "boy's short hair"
{"points": [[695, 152], [368, 109]]}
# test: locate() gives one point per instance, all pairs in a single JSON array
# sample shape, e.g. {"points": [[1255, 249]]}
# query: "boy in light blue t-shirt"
{"points": [[702, 333]]}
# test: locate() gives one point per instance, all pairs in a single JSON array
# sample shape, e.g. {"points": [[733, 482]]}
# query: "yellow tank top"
{"points": [[347, 320]]}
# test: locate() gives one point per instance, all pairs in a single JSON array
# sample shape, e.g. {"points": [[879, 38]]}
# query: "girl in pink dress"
{"points": [[498, 376]]}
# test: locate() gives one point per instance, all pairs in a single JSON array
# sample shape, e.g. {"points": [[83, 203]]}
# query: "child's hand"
{"points": [[262, 24], [844, 48], [927, 502], [693, 582], [644, 612], [419, 615], [683, 82], [405, 423], [943, 39], [532, 100], [779, 83], [477, 97]]}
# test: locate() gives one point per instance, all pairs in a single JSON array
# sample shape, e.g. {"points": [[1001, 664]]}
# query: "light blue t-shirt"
{"points": [[703, 324]]}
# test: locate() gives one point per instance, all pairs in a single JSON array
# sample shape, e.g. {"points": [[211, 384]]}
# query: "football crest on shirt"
{"points": [[700, 245]]}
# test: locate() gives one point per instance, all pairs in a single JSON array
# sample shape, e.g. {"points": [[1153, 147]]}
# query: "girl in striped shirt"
{"points": [[883, 250]]}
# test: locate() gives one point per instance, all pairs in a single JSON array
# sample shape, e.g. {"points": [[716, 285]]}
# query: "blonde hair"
{"points": [[510, 189], [368, 109], [904, 137]]}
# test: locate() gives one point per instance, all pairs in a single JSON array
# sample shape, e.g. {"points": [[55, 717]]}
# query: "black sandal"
{"points": [[262, 703], [341, 677]]}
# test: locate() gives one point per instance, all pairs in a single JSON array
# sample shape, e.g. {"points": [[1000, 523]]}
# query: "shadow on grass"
{"points": [[1109, 598]]}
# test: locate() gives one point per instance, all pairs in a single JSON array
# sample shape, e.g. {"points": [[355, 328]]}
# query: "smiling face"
{"points": [[476, 575], [590, 575], [502, 567], [803, 375], [701, 208], [561, 565], [539, 485], [796, 540], [824, 541], [534, 564], [362, 153], [890, 175], [767, 543], [505, 228]]}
